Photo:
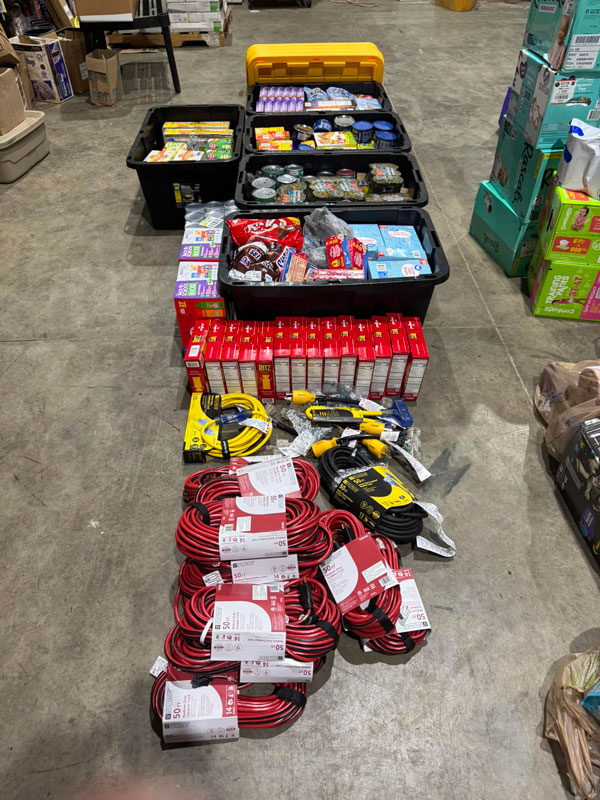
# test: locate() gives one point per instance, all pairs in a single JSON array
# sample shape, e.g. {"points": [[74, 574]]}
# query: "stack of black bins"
{"points": [[361, 298], [169, 186]]}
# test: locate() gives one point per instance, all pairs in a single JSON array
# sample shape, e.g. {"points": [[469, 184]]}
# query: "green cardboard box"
{"points": [[565, 34], [570, 227], [521, 173], [498, 229], [563, 289]]}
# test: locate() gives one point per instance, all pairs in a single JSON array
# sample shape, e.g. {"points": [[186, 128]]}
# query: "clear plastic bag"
{"points": [[319, 225]]}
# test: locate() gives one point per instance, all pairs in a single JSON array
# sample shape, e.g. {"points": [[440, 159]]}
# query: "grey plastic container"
{"points": [[23, 147]]}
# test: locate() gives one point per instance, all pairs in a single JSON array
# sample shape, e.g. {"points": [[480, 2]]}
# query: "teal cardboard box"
{"points": [[543, 102], [521, 174], [510, 242], [565, 34]]}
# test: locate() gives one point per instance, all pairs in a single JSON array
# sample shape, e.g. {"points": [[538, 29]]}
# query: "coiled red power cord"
{"points": [[197, 534]]}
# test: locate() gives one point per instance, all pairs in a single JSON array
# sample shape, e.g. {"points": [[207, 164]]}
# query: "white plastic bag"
{"points": [[579, 168]]}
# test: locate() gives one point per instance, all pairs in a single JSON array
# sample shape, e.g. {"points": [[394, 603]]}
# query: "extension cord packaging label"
{"points": [[369, 493], [268, 478], [356, 572], [413, 615], [248, 623], [286, 670], [253, 526], [201, 714], [265, 570]]}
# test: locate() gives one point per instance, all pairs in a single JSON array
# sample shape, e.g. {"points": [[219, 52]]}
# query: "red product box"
{"points": [[417, 360], [230, 358], [264, 362], [314, 355], [366, 356], [248, 623], [194, 356], [356, 573], [331, 352], [212, 357], [348, 351], [281, 357], [343, 253], [383, 357], [249, 357], [400, 351], [298, 353]]}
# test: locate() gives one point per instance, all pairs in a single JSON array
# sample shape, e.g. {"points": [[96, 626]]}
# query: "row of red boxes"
{"points": [[383, 356]]}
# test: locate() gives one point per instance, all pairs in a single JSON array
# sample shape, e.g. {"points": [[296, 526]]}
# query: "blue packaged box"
{"points": [[521, 174], [401, 242], [543, 101], [398, 269], [565, 34], [370, 236], [498, 229], [46, 67]]}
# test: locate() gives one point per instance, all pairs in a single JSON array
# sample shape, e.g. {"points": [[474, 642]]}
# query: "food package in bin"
{"points": [[286, 231], [579, 167], [262, 262], [344, 253]]}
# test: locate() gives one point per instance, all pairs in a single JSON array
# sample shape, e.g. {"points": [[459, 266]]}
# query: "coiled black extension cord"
{"points": [[401, 524]]}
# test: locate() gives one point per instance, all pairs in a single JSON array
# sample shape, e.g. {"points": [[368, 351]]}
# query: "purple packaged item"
{"points": [[277, 106], [260, 106], [269, 107], [262, 92], [200, 252]]}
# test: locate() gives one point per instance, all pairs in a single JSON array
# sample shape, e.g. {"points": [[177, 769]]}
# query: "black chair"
{"points": [[151, 14]]}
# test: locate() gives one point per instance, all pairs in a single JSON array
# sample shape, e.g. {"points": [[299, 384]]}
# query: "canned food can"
{"points": [[297, 170], [264, 195], [363, 132], [286, 180], [301, 133], [385, 139], [263, 183], [323, 126], [324, 174], [346, 173], [382, 125], [272, 170], [343, 123]]}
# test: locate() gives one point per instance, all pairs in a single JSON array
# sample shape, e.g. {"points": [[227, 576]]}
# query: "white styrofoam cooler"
{"points": [[23, 146]]}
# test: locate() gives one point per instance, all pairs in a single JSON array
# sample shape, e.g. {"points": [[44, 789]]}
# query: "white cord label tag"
{"points": [[253, 526], [424, 544], [200, 714], [284, 671], [248, 623], [269, 477], [266, 570], [160, 665]]}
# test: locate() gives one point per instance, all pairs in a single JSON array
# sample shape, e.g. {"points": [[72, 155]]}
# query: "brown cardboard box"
{"points": [[100, 10], [12, 107], [26, 82], [8, 57], [104, 72], [60, 12], [72, 43]]}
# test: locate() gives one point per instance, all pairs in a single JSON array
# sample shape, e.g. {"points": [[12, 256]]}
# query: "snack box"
{"points": [[281, 357], [230, 358], [383, 357], [264, 365], [314, 355], [417, 360], [366, 356], [348, 350], [370, 236], [331, 352], [197, 299], [212, 357], [401, 242], [400, 352], [194, 356], [398, 269]]}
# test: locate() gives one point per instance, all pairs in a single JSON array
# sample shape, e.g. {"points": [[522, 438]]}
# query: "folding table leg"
{"points": [[166, 32]]}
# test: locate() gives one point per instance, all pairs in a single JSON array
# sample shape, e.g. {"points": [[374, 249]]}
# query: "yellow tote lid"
{"points": [[313, 63]]}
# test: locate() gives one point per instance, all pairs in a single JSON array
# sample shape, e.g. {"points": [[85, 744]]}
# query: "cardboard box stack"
{"points": [[383, 356], [557, 78], [204, 16]]}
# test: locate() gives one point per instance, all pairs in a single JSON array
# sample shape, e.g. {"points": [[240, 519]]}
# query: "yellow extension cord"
{"points": [[248, 441]]}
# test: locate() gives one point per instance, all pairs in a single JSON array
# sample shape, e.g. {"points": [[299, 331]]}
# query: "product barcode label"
{"points": [[547, 8], [594, 115], [387, 580], [586, 40]]}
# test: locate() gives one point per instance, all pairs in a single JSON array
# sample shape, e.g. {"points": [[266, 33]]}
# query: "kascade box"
{"points": [[194, 357], [281, 357], [264, 366], [298, 353], [370, 236], [578, 480], [366, 356], [248, 357], [400, 242], [543, 102], [564, 289], [314, 355], [46, 66], [417, 359], [521, 173], [570, 227], [212, 356], [400, 351], [498, 229], [348, 350], [230, 355], [566, 33], [383, 356], [331, 352], [398, 269]]}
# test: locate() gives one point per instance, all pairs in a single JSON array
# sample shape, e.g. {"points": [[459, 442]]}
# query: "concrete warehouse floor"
{"points": [[94, 404]]}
